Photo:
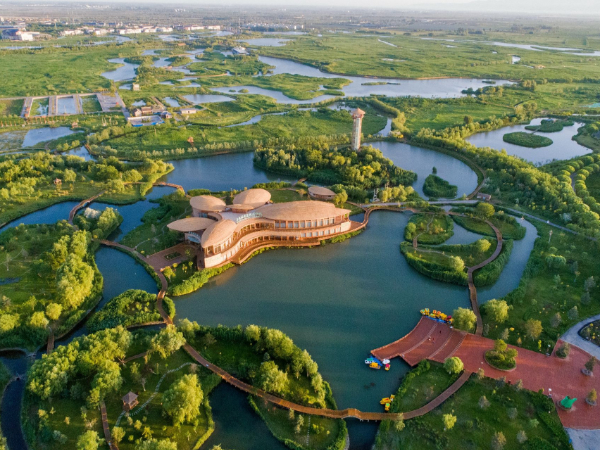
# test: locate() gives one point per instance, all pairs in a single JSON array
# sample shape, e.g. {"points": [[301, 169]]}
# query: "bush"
{"points": [[501, 357], [197, 280], [453, 365]]}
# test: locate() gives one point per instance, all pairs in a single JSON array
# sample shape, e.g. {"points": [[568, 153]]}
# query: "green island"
{"points": [[527, 139], [436, 187], [197, 149], [433, 228], [550, 126]]}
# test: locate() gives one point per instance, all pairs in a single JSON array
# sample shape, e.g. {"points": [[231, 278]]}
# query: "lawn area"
{"points": [[506, 410], [508, 225], [421, 385], [91, 104], [153, 235], [552, 290], [471, 254], [186, 435], [271, 128], [288, 195], [215, 63], [414, 57], [527, 139], [11, 107], [56, 71], [430, 228]]}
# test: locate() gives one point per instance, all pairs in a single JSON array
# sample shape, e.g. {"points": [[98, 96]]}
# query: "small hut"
{"points": [[130, 401]]}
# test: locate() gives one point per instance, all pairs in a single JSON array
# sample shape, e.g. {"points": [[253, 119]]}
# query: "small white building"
{"points": [[188, 111], [239, 50]]}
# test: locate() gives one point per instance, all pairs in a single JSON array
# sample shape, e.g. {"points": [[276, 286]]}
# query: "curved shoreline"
{"points": [[334, 414]]}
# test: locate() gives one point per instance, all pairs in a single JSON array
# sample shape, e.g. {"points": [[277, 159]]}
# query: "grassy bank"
{"points": [[527, 139]]}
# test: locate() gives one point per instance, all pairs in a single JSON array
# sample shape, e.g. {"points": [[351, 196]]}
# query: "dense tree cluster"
{"points": [[365, 169], [518, 181], [100, 224], [90, 357]]}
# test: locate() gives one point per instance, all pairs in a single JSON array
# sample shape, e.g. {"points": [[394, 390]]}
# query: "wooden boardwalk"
{"points": [[417, 345], [112, 445]]}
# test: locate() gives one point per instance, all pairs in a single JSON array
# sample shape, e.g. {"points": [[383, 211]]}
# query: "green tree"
{"points": [[484, 210], [53, 311], [464, 319], [449, 421], [498, 441], [88, 441], [167, 341], [74, 282], [484, 403], [483, 245], [182, 400], [270, 378], [521, 437], [38, 320], [457, 264], [533, 328], [497, 310], [454, 365], [117, 433]]}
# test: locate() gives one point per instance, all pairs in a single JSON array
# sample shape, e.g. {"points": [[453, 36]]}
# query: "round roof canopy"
{"points": [[191, 224], [319, 190], [302, 210], [207, 203], [253, 197], [217, 233]]}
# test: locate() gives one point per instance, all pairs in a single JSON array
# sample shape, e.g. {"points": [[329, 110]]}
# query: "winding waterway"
{"points": [[337, 301], [563, 146]]}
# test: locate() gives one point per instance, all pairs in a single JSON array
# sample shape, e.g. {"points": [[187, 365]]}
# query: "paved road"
{"points": [[572, 337]]}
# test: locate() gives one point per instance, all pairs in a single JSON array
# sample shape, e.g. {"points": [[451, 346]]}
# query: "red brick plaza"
{"points": [[558, 377]]}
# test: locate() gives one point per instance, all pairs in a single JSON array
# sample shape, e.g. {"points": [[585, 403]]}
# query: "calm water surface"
{"points": [[442, 88], [220, 173], [38, 135], [563, 147], [125, 72], [421, 161]]}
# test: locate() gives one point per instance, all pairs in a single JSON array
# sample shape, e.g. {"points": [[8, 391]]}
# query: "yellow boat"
{"points": [[385, 400], [387, 407], [374, 365]]}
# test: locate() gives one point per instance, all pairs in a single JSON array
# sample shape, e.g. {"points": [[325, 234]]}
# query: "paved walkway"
{"points": [[572, 337]]}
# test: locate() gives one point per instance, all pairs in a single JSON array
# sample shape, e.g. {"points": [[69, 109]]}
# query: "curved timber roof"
{"points": [[303, 210], [217, 233], [207, 203], [253, 197], [191, 224], [319, 190]]}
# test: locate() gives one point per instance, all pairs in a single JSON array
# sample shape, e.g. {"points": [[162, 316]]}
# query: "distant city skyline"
{"points": [[543, 7]]}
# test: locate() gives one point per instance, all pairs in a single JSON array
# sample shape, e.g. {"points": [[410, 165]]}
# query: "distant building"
{"points": [[239, 50], [188, 111], [166, 115], [484, 197], [321, 193], [17, 34], [137, 112], [357, 116], [135, 87]]}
